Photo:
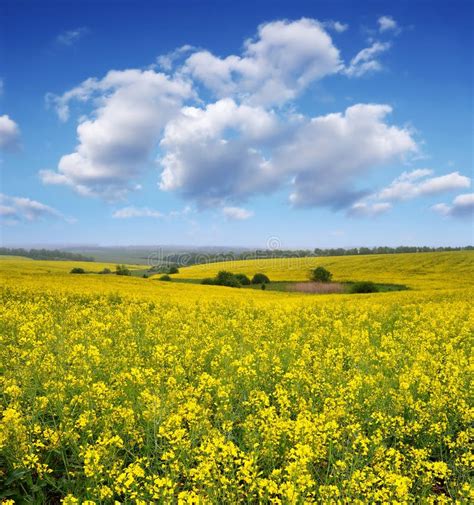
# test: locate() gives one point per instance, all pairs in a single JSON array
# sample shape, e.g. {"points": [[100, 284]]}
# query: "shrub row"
{"points": [[224, 278]]}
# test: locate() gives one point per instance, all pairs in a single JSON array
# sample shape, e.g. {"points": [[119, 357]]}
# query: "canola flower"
{"points": [[135, 391]]}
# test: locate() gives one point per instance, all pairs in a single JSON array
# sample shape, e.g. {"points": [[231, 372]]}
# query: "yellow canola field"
{"points": [[416, 270], [129, 390]]}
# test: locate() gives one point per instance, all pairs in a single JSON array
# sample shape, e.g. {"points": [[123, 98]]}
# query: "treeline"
{"points": [[385, 250], [44, 254], [196, 258]]}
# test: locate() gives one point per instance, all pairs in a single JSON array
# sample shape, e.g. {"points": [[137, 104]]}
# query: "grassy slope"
{"points": [[421, 270]]}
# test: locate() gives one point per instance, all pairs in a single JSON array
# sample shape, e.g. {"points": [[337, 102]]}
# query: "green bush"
{"points": [[320, 274], [173, 269], [105, 271], [225, 278], [122, 270], [363, 287], [165, 277], [260, 279], [77, 270], [243, 279], [209, 281]]}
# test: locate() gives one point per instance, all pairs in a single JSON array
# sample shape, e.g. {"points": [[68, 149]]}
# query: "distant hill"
{"points": [[44, 254], [437, 270]]}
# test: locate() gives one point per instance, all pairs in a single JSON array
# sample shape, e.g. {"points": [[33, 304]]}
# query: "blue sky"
{"points": [[221, 123]]}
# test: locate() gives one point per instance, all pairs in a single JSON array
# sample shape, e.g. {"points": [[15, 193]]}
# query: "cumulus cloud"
{"points": [[115, 143], [9, 134], [364, 209], [275, 67], [216, 153], [418, 183], [461, 207], [70, 37], [366, 60], [237, 213], [15, 209], [328, 154], [240, 143], [230, 152], [131, 211], [387, 23]]}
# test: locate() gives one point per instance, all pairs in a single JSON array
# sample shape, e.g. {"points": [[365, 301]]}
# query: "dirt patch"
{"points": [[317, 287]]}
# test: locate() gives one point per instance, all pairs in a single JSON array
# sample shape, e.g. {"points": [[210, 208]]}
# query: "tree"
{"points": [[321, 274], [173, 269], [165, 277], [243, 279], [224, 278], [260, 279]]}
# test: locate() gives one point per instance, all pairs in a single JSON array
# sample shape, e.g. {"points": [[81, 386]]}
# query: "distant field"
{"points": [[420, 270], [19, 265]]}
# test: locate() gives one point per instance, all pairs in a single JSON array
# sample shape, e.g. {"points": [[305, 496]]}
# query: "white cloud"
{"points": [[223, 153], [329, 154], [14, 209], [116, 141], [275, 67], [336, 26], [417, 183], [9, 134], [166, 61], [81, 93], [228, 152], [461, 207], [364, 209], [366, 61], [70, 37], [129, 212], [387, 23], [237, 213], [415, 174], [215, 153]]}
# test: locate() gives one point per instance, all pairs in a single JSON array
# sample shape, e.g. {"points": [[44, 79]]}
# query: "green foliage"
{"points": [[225, 278], [173, 269], [363, 287], [122, 270], [321, 274], [105, 271], [165, 277], [77, 270], [243, 279], [260, 279], [209, 281]]}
